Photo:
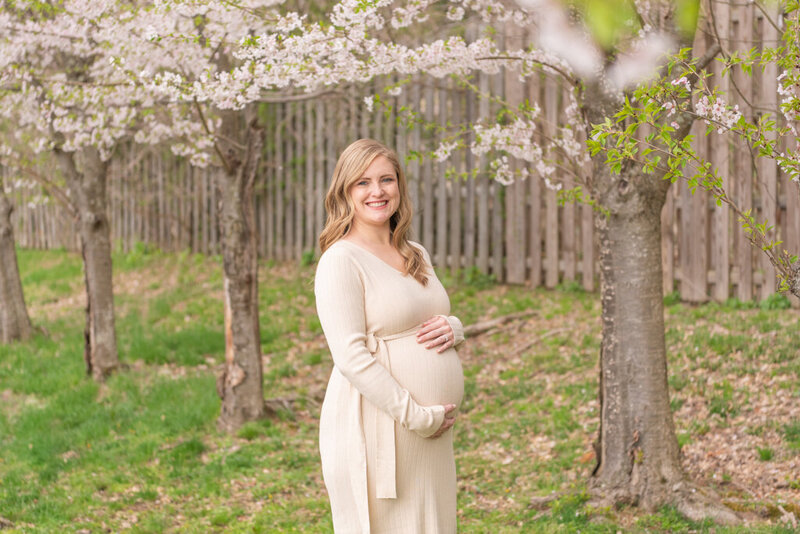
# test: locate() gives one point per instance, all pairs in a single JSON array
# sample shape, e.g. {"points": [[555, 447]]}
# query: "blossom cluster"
{"points": [[444, 150], [517, 139], [717, 111], [683, 81], [789, 161], [61, 78], [789, 101]]}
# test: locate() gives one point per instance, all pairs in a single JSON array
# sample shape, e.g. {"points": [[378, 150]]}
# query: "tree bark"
{"points": [[15, 324], [240, 384], [638, 460], [87, 188]]}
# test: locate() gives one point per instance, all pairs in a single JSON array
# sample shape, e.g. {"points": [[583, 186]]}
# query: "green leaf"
{"points": [[686, 12], [609, 20]]}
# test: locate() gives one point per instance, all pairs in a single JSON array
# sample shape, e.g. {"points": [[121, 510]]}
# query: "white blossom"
{"points": [[455, 13], [502, 171], [150, 33], [725, 117], [444, 150]]}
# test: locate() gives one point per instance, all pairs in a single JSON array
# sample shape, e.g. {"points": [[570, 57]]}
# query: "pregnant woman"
{"points": [[386, 439]]}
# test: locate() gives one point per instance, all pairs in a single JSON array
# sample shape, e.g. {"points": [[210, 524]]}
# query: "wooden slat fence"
{"points": [[519, 233]]}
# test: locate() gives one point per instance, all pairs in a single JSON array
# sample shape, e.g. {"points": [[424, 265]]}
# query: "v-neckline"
{"points": [[359, 247]]}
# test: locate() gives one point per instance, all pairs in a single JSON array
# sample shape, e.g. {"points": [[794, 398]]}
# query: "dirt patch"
{"points": [[727, 454], [145, 283], [13, 403]]}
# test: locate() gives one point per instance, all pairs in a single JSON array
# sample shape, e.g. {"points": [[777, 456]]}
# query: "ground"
{"points": [[141, 453]]}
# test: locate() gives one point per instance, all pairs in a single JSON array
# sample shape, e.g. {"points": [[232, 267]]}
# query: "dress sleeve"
{"points": [[339, 293], [458, 329]]}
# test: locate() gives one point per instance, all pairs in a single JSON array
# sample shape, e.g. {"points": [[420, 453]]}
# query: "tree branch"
{"points": [[52, 189], [685, 119], [281, 99], [222, 157], [726, 55], [561, 71], [767, 17]]}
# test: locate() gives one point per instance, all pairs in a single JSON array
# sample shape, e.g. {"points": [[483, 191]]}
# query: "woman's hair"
{"points": [[349, 169]]}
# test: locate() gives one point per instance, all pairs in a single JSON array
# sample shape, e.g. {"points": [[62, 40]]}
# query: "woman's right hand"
{"points": [[449, 420]]}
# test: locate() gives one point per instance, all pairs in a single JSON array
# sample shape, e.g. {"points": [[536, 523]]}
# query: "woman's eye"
{"points": [[388, 179], [362, 182]]}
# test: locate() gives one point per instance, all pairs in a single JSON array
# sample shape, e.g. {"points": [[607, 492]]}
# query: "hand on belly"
{"points": [[436, 333]]}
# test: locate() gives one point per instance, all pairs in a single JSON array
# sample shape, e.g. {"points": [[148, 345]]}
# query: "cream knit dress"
{"points": [[384, 398]]}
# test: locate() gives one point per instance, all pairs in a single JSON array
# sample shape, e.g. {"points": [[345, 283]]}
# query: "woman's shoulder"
{"points": [[339, 254], [336, 250], [336, 267]]}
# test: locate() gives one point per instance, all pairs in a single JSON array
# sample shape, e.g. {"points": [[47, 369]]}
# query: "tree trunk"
{"points": [[638, 459], [88, 191], [637, 449], [14, 321], [240, 384]]}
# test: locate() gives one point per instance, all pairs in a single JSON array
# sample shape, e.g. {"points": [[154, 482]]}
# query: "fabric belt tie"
{"points": [[386, 484]]}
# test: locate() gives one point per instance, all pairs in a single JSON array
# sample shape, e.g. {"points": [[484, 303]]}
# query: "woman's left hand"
{"points": [[436, 332]]}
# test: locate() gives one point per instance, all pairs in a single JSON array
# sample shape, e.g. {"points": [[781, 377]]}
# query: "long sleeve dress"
{"points": [[385, 397]]}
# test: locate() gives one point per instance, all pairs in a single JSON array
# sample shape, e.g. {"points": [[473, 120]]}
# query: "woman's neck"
{"points": [[375, 236]]}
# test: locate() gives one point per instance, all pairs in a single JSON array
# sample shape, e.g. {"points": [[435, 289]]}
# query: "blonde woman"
{"points": [[386, 439]]}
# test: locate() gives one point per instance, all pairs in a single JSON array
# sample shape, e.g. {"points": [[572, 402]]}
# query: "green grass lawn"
{"points": [[141, 452]]}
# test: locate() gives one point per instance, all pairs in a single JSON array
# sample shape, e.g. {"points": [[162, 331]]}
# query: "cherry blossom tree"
{"points": [[68, 88], [181, 47], [637, 451], [64, 94], [60, 93], [617, 90]]}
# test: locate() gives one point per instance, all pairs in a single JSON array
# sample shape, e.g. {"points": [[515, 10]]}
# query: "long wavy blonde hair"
{"points": [[339, 205]]}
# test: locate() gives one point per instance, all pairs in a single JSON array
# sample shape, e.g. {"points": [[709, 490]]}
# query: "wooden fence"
{"points": [[518, 233]]}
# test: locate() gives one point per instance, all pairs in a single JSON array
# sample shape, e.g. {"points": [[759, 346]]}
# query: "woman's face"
{"points": [[376, 194]]}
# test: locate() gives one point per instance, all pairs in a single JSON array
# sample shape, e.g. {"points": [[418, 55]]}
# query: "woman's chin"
{"points": [[376, 221]]}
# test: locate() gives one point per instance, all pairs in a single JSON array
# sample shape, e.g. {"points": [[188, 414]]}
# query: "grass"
{"points": [[141, 452], [765, 454], [791, 432]]}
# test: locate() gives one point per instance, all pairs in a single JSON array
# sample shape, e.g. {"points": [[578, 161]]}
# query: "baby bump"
{"points": [[431, 377]]}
